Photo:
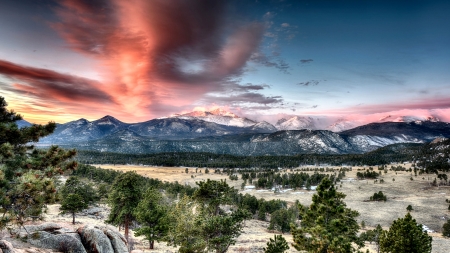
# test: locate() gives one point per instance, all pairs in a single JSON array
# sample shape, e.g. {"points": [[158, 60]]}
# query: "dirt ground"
{"points": [[429, 203]]}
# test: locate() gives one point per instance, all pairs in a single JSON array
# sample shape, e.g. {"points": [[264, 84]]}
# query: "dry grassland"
{"points": [[428, 202]]}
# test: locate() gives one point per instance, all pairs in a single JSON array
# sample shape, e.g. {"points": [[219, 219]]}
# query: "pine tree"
{"points": [[27, 174], [219, 229], [405, 236], [186, 229], [75, 185], [276, 245], [126, 192], [327, 225], [151, 213], [73, 203], [446, 229]]}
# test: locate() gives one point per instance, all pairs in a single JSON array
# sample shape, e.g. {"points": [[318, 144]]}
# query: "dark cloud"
{"points": [[249, 97], [49, 84], [165, 36], [267, 61], [306, 61], [309, 83], [250, 87]]}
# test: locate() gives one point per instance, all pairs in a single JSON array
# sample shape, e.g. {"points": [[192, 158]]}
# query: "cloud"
{"points": [[250, 87], [309, 83], [51, 85], [244, 98], [163, 53], [306, 61], [261, 58]]}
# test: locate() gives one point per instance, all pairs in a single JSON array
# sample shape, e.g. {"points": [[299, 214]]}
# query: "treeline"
{"points": [[107, 177], [385, 155], [435, 157]]}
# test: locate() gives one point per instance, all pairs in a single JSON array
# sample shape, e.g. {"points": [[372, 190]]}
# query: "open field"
{"points": [[428, 202]]}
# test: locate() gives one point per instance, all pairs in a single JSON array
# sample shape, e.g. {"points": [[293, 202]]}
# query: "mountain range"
{"points": [[223, 132]]}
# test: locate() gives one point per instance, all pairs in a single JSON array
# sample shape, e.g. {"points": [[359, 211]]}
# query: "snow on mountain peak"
{"points": [[295, 123]]}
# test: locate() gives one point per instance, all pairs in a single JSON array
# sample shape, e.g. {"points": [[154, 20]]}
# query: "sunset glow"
{"points": [[141, 59]]}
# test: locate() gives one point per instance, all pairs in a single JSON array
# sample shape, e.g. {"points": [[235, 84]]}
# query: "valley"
{"points": [[428, 202]]}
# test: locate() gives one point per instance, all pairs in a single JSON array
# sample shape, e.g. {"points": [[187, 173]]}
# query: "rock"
{"points": [[6, 247], [137, 251], [94, 240], [118, 241], [61, 242], [94, 211], [48, 227]]}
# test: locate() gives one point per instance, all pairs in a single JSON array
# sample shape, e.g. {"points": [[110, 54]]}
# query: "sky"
{"points": [[142, 59]]}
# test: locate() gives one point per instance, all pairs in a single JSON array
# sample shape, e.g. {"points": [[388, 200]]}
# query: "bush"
{"points": [[446, 229], [378, 197]]}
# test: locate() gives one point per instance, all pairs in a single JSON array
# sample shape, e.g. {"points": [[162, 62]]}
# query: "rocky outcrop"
{"points": [[118, 241], [86, 239], [95, 240], [60, 242], [6, 247]]}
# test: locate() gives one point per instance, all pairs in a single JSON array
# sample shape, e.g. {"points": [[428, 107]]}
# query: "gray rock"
{"points": [[94, 240], [61, 242], [6, 247], [94, 210], [117, 240], [48, 227]]}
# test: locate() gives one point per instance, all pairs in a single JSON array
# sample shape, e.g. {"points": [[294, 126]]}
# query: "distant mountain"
{"points": [[173, 128], [84, 130], [218, 116], [23, 123], [182, 128], [296, 123], [193, 135]]}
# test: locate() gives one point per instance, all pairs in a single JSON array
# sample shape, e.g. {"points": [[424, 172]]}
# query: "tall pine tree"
{"points": [[26, 173], [327, 225]]}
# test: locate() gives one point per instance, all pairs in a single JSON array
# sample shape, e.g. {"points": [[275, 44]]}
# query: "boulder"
{"points": [[60, 242], [6, 247], [47, 227], [94, 240], [118, 241]]}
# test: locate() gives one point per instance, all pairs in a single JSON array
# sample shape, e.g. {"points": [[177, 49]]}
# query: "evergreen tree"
{"points": [[151, 213], [186, 229], [327, 225], [219, 229], [405, 236], [280, 220], [73, 203], [27, 174], [126, 192], [276, 245], [446, 229], [74, 185]]}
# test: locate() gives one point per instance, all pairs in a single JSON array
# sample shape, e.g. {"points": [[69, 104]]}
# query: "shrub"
{"points": [[378, 197]]}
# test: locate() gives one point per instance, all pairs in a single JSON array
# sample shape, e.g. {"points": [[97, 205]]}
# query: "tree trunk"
{"points": [[151, 244], [73, 218], [126, 229]]}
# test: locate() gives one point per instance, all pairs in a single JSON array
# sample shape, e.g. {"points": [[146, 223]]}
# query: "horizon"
{"points": [[141, 60]]}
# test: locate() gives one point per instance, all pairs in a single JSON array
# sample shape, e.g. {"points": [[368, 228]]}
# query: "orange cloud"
{"points": [[147, 49]]}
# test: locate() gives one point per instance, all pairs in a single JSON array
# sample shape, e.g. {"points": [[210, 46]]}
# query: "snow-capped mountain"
{"points": [[409, 118], [194, 135], [296, 123], [218, 116]]}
